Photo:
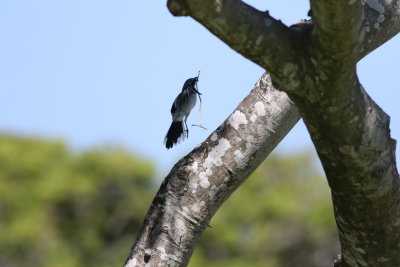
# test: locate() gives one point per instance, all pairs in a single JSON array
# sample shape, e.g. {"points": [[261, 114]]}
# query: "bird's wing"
{"points": [[173, 108], [179, 100]]}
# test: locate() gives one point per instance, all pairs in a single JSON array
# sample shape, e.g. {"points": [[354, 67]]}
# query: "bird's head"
{"points": [[192, 83]]}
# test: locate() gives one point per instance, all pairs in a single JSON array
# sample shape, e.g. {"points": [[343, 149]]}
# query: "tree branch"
{"points": [[200, 182], [254, 34]]}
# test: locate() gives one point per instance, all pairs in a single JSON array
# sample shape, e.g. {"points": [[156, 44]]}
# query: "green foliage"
{"points": [[64, 209]]}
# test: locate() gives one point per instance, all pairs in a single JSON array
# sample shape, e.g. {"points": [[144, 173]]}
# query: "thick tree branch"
{"points": [[200, 182], [254, 34]]}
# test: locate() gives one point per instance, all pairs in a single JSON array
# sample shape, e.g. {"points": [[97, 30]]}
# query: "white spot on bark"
{"points": [[268, 22], [131, 263], [226, 179], [314, 62], [323, 76], [362, 251], [216, 153], [259, 39], [238, 156], [214, 158], [212, 192], [270, 129], [194, 185], [376, 5], [171, 259], [355, 119], [195, 207], [179, 226], [348, 150], [194, 166], [214, 137], [376, 25], [260, 108], [250, 138], [381, 18], [275, 111], [340, 219], [237, 118], [218, 5], [367, 29], [253, 118], [204, 180], [290, 71], [383, 259]]}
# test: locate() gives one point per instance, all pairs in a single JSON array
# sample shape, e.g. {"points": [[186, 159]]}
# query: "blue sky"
{"points": [[102, 72]]}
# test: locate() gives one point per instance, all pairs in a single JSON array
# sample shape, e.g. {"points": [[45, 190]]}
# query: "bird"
{"points": [[180, 110]]}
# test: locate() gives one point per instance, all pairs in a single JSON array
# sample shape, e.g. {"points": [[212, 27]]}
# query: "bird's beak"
{"points": [[196, 90]]}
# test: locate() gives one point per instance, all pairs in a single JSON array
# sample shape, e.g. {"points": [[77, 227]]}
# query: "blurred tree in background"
{"points": [[62, 209]]}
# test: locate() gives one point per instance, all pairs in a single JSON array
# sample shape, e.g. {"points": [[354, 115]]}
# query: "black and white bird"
{"points": [[183, 104]]}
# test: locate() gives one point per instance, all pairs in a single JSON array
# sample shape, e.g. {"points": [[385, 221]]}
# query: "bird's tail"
{"points": [[175, 134]]}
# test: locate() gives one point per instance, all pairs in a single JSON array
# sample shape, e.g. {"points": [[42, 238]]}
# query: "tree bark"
{"points": [[315, 64]]}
